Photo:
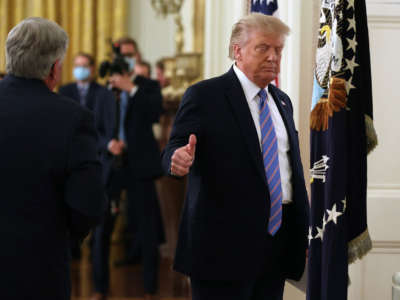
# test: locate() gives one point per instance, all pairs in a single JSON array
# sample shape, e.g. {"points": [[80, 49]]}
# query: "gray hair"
{"points": [[33, 46], [255, 22]]}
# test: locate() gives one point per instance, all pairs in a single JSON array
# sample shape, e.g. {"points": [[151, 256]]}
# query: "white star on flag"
{"points": [[351, 64], [310, 236], [350, 4], [352, 24], [324, 222], [352, 44], [349, 85], [320, 233], [333, 214]]}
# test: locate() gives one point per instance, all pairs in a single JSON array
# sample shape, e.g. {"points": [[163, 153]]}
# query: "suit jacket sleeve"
{"points": [[83, 193], [153, 106], [187, 122], [106, 121]]}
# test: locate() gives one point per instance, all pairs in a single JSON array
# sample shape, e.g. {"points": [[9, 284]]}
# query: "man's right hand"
{"points": [[115, 147], [183, 158]]}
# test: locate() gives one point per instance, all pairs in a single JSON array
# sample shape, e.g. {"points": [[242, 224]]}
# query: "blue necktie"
{"points": [[122, 114], [82, 95], [271, 164]]}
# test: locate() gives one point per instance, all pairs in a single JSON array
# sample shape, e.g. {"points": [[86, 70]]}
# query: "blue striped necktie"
{"points": [[271, 164]]}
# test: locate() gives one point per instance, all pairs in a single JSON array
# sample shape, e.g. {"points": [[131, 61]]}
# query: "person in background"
{"points": [[97, 98], [143, 68], [101, 102], [140, 164], [51, 179], [160, 74], [2, 75], [244, 225]]}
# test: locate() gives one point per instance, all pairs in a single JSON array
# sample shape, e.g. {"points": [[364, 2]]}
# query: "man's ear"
{"points": [[237, 53], [53, 69], [51, 79]]}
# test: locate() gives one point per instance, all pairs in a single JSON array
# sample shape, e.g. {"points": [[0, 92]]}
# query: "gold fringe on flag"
{"points": [[337, 99], [359, 246], [372, 138]]}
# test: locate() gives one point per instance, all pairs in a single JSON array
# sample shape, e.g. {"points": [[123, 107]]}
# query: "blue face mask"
{"points": [[81, 73], [131, 61]]}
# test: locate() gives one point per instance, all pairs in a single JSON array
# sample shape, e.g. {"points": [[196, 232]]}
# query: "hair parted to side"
{"points": [[33, 46], [255, 22], [128, 40], [88, 56]]}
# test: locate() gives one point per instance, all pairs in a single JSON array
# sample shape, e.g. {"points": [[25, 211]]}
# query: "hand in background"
{"points": [[121, 145], [114, 147], [122, 82], [183, 157]]}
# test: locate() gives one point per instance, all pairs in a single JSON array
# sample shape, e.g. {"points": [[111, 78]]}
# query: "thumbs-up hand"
{"points": [[183, 157]]}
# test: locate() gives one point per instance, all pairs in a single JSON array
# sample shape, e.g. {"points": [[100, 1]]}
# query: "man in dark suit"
{"points": [[244, 225], [101, 102], [137, 153], [50, 182], [98, 99]]}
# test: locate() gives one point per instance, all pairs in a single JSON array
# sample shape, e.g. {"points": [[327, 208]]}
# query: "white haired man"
{"points": [[51, 184], [244, 225]]}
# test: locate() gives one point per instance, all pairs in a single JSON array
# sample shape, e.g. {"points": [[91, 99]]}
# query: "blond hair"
{"points": [[255, 22]]}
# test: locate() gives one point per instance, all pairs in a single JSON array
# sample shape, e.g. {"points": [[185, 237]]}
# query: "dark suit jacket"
{"points": [[225, 215], [144, 109], [101, 101], [50, 187]]}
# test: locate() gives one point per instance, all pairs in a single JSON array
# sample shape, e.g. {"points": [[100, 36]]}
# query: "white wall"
{"points": [[220, 17], [154, 33]]}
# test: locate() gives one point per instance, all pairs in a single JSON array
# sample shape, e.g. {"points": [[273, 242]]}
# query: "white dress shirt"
{"points": [[251, 91]]}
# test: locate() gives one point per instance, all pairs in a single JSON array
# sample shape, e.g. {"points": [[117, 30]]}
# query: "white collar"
{"points": [[250, 89]]}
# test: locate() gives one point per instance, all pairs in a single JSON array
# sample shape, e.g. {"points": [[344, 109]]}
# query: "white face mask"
{"points": [[131, 61]]}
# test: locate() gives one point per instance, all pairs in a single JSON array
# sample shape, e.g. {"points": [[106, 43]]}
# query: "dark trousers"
{"points": [[263, 288], [144, 221], [267, 285], [101, 253]]}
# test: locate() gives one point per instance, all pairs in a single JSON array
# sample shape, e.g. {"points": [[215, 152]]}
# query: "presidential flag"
{"points": [[267, 7], [342, 134]]}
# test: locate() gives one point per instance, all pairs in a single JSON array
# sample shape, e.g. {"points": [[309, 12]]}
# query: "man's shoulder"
{"points": [[99, 88], [67, 104], [277, 91], [146, 82], [214, 84], [67, 87]]}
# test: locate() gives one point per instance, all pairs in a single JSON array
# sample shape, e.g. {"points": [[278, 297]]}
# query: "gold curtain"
{"points": [[89, 24]]}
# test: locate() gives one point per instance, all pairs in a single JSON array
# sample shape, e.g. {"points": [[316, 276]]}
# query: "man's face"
{"points": [[142, 70], [129, 50], [83, 61], [159, 74], [260, 57]]}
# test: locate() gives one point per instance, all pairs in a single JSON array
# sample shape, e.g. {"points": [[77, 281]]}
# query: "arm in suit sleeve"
{"points": [[106, 121], [187, 121], [84, 193], [154, 98]]}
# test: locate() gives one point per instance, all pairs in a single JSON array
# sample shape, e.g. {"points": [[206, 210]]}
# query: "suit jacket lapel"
{"points": [[241, 110], [131, 100], [285, 113], [75, 93], [90, 96]]}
